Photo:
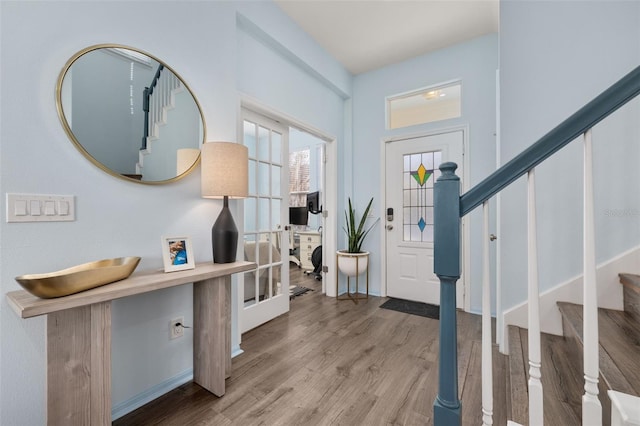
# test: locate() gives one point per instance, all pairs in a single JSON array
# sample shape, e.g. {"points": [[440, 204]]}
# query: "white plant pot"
{"points": [[347, 262]]}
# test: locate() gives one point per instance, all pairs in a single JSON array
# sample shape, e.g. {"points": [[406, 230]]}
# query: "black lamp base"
{"points": [[224, 236]]}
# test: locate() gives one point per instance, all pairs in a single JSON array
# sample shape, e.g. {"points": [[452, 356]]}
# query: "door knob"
{"points": [[493, 237], [389, 227]]}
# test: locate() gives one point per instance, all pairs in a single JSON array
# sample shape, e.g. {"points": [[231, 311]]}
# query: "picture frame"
{"points": [[177, 253]]}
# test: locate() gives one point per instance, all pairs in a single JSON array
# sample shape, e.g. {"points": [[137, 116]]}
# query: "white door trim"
{"points": [[329, 234], [465, 303]]}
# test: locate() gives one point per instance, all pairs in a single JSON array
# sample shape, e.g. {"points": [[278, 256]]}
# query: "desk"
{"points": [[79, 337], [309, 240]]}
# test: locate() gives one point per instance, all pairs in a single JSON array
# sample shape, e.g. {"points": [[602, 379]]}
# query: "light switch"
{"points": [[40, 208], [49, 208], [63, 208], [20, 208], [34, 207]]}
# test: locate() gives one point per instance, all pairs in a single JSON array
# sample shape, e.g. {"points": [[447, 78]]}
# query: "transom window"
{"points": [[426, 105]]}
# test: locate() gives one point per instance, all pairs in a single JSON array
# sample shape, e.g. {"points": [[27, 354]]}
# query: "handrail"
{"points": [[146, 96], [585, 118]]}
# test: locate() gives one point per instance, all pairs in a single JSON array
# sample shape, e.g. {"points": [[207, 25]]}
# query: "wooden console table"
{"points": [[79, 337]]}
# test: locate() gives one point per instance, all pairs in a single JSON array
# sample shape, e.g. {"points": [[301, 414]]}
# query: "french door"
{"points": [[264, 291], [411, 170]]}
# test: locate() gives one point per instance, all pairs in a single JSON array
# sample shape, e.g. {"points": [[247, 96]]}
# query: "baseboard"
{"points": [[236, 351], [609, 294], [137, 401]]}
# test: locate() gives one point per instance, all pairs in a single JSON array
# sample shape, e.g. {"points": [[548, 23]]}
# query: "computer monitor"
{"points": [[298, 215], [313, 202]]}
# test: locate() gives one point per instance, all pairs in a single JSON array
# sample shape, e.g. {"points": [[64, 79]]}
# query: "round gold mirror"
{"points": [[130, 114]]}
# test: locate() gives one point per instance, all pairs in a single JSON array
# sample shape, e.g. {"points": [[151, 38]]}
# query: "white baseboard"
{"points": [[609, 294], [127, 406], [236, 351]]}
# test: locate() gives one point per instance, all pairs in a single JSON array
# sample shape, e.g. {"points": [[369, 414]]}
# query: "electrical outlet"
{"points": [[176, 328]]}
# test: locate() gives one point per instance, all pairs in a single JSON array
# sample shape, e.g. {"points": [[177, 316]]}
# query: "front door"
{"points": [[265, 290], [411, 170]]}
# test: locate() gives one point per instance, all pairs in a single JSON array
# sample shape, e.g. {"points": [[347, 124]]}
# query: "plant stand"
{"points": [[354, 297]]}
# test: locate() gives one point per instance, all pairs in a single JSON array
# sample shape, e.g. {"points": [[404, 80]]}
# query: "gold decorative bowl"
{"points": [[78, 278]]}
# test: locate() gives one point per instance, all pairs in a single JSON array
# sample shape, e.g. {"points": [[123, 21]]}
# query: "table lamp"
{"points": [[225, 175]]}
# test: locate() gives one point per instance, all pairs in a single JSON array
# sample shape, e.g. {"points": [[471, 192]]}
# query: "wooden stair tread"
{"points": [[619, 354], [631, 294], [561, 379], [630, 280]]}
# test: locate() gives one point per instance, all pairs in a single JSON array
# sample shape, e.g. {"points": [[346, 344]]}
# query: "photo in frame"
{"points": [[177, 254]]}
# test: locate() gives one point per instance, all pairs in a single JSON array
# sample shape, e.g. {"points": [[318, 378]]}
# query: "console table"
{"points": [[79, 337]]}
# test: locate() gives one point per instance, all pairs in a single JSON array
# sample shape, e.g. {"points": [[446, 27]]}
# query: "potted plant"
{"points": [[353, 261]]}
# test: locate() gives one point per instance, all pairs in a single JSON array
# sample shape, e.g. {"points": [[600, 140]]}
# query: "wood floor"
{"points": [[331, 362]]}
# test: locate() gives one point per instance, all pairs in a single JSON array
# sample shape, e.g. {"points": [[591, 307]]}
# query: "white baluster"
{"points": [[591, 408], [535, 385], [166, 92], [487, 367]]}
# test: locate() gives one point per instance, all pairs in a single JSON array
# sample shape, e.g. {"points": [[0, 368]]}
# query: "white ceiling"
{"points": [[369, 34]]}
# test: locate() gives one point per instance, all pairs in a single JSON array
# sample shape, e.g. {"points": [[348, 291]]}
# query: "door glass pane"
{"points": [[276, 148], [277, 282], [263, 214], [250, 223], [266, 284], [250, 285], [250, 138], [276, 204], [276, 183], [263, 144], [419, 176], [264, 254], [250, 278], [252, 177], [263, 179]]}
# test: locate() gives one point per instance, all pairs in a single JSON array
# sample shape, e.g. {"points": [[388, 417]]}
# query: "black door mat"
{"points": [[298, 291], [411, 307]]}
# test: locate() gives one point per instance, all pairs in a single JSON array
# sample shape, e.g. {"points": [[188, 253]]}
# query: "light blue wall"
{"points": [[555, 57], [475, 63], [200, 40]]}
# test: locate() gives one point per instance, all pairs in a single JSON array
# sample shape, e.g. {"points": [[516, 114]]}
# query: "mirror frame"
{"points": [[81, 148]]}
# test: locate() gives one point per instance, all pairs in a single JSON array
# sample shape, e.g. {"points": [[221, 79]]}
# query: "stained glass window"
{"points": [[420, 172]]}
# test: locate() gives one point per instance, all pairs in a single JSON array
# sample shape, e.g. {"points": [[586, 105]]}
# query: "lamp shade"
{"points": [[225, 170]]}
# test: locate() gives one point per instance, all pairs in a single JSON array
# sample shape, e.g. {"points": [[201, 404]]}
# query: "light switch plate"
{"points": [[40, 208]]}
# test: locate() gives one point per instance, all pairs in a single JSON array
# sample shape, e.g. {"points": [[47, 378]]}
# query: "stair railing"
{"points": [[155, 99], [450, 207]]}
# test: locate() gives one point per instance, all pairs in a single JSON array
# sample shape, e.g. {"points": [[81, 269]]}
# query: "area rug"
{"points": [[297, 291], [414, 308]]}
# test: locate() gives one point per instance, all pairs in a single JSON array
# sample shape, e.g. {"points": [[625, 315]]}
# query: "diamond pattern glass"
{"points": [[420, 171]]}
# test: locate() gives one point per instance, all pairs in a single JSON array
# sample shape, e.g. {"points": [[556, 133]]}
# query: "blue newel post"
{"points": [[446, 262]]}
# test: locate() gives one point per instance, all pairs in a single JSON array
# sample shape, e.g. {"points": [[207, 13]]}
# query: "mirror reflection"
{"points": [[130, 114]]}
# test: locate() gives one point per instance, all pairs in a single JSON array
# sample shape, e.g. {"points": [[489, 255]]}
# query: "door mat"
{"points": [[298, 291], [411, 307]]}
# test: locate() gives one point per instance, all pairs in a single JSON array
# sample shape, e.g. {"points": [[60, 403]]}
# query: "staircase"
{"points": [[562, 377], [578, 361]]}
